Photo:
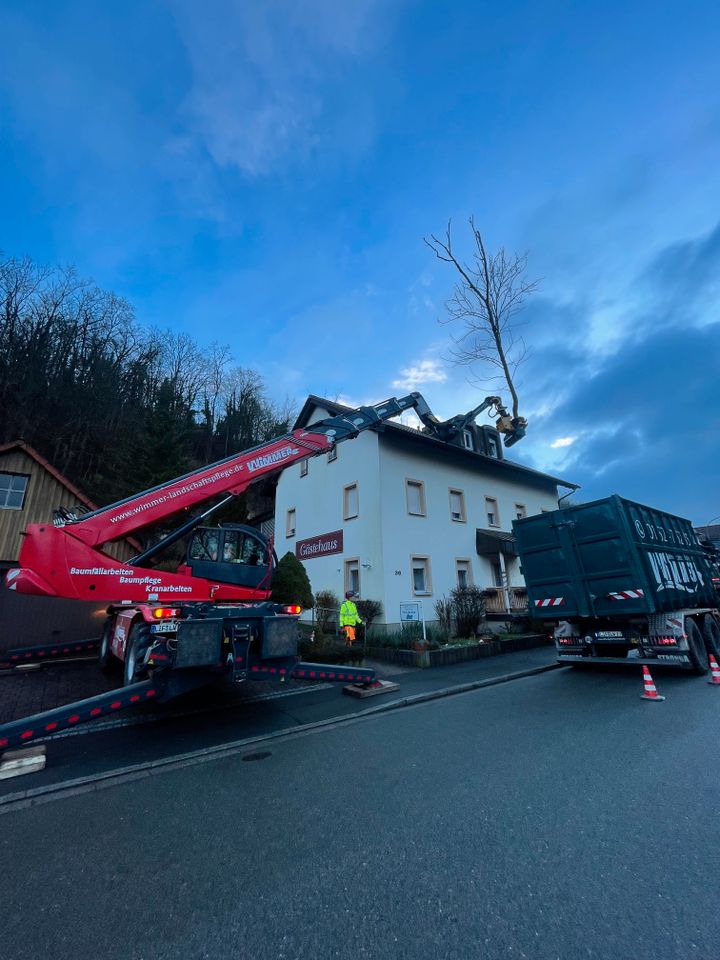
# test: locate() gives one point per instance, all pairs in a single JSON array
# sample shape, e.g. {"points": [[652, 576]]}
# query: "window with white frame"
{"points": [[468, 441], [420, 575], [13, 487], [350, 501], [304, 468], [497, 574], [352, 575], [492, 447], [332, 454], [463, 573], [492, 514], [415, 496], [290, 523], [520, 511], [457, 506]]}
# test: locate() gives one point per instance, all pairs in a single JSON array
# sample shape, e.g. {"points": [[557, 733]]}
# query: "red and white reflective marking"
{"points": [[550, 602], [626, 595]]}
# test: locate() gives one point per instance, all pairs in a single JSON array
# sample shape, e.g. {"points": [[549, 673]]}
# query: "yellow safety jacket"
{"points": [[349, 615]]}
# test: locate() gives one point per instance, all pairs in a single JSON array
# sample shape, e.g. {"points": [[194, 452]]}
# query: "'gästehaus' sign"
{"points": [[321, 546]]}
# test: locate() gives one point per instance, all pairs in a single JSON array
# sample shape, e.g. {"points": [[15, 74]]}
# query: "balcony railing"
{"points": [[495, 601]]}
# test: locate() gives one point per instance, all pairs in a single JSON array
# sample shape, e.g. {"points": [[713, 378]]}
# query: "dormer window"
{"points": [[492, 447], [468, 441]]}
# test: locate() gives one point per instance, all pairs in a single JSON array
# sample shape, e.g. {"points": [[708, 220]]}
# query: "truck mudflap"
{"points": [[19, 732], [681, 660]]}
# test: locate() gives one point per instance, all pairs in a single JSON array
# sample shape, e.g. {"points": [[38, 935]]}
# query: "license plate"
{"points": [[167, 626], [609, 634]]}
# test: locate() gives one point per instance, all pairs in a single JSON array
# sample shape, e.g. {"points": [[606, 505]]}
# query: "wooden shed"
{"points": [[30, 490]]}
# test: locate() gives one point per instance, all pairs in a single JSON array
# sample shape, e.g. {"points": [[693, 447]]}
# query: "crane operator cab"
{"points": [[233, 553]]}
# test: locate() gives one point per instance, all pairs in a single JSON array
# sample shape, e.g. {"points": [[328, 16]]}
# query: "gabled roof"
{"points": [[61, 479], [46, 465], [510, 465]]}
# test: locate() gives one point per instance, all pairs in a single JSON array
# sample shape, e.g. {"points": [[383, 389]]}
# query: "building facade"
{"points": [[30, 490], [397, 515]]}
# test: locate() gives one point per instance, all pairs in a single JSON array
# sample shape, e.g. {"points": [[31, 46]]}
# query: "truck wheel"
{"points": [[138, 642], [698, 656], [711, 634], [105, 656]]}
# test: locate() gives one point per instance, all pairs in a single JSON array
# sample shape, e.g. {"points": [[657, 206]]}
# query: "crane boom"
{"points": [[67, 560]]}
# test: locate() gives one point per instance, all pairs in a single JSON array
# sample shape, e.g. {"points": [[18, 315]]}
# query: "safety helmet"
{"points": [[349, 594]]}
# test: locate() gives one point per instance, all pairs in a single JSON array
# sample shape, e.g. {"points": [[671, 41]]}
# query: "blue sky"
{"points": [[262, 174]]}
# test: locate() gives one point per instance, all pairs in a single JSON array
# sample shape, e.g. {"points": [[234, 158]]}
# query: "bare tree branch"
{"points": [[485, 301]]}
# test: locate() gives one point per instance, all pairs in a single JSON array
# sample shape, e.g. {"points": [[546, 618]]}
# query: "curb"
{"points": [[109, 778]]}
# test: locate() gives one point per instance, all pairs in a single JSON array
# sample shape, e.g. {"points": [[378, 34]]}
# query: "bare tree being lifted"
{"points": [[487, 296]]}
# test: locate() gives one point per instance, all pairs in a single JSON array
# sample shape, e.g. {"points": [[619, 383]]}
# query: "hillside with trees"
{"points": [[117, 406]]}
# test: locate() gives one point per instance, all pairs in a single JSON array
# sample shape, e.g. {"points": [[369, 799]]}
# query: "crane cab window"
{"points": [[205, 545], [240, 547]]}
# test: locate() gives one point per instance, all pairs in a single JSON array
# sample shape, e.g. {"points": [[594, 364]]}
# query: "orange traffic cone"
{"points": [[715, 669], [650, 691]]}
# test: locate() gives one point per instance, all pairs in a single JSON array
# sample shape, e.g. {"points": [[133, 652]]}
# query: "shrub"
{"points": [[326, 611], [369, 610], [290, 583], [444, 613], [468, 609]]}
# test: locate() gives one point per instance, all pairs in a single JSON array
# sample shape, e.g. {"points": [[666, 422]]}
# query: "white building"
{"points": [[398, 516]]}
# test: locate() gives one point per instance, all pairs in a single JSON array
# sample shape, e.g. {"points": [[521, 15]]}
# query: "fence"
{"points": [[495, 601]]}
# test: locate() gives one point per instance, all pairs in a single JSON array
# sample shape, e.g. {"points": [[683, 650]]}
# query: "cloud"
{"points": [[265, 76], [563, 442], [425, 371]]}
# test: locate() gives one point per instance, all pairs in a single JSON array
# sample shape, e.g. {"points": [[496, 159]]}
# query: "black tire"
{"points": [[711, 636], [138, 642], [698, 656], [108, 662]]}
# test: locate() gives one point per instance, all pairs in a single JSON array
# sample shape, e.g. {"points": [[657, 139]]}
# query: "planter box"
{"points": [[450, 655]]}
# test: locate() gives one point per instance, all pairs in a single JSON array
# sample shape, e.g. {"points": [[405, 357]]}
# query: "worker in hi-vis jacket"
{"points": [[349, 617]]}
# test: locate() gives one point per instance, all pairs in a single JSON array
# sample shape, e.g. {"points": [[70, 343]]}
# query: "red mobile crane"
{"points": [[175, 631]]}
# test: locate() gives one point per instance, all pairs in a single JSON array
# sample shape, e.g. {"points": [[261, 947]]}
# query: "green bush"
{"points": [[290, 583], [326, 611], [369, 610], [468, 609]]}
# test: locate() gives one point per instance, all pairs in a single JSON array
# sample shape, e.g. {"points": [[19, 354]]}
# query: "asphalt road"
{"points": [[557, 816], [212, 716]]}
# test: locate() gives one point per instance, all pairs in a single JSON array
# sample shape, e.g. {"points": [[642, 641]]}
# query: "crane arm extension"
{"points": [[67, 560], [232, 475]]}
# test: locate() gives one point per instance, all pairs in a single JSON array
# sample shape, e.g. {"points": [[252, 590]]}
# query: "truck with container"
{"points": [[621, 582], [212, 617]]}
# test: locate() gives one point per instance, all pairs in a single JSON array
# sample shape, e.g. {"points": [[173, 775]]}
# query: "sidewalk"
{"points": [[23, 694]]}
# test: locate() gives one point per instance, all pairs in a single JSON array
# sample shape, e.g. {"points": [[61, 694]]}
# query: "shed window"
{"points": [[13, 487], [290, 523]]}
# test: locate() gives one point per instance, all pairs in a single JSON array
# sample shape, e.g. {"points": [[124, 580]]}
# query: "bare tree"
{"points": [[486, 298]]}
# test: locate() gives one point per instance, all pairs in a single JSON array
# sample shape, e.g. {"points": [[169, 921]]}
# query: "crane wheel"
{"points": [[106, 660], [138, 642]]}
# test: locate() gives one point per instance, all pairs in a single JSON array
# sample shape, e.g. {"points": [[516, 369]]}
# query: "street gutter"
{"points": [[109, 778]]}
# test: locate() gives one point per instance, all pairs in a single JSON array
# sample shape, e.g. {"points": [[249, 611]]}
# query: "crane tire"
{"points": [[107, 661], [138, 642], [698, 656]]}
